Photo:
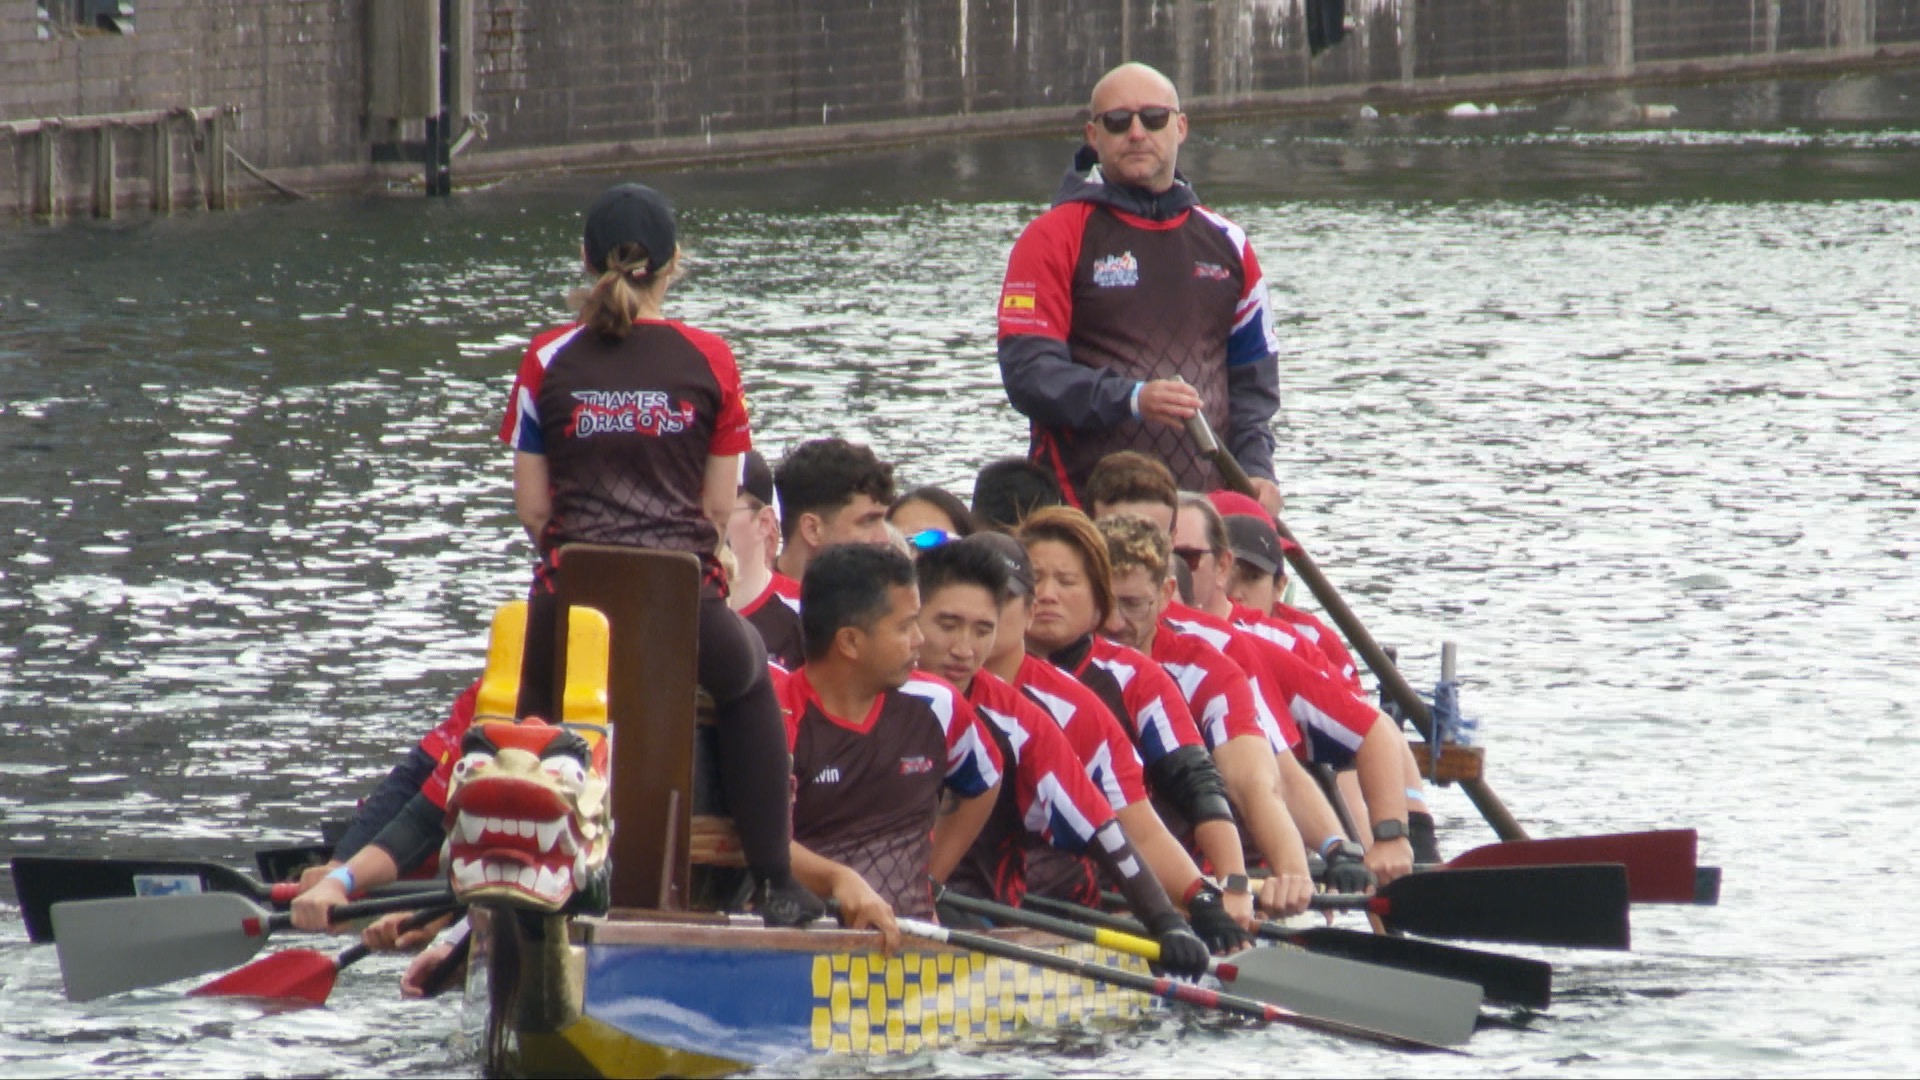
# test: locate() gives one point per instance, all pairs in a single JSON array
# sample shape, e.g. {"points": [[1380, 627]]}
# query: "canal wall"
{"points": [[105, 107]]}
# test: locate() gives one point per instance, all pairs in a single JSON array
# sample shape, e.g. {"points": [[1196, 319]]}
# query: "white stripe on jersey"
{"points": [[1057, 707], [1325, 726], [1269, 723], [1211, 635], [1051, 800], [1122, 673], [936, 695]]}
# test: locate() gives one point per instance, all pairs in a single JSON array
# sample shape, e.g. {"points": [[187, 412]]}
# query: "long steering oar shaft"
{"points": [[1167, 989], [1396, 686], [1400, 1004]]}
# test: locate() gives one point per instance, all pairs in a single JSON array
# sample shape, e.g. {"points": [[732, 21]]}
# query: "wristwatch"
{"points": [[1236, 884], [1389, 830]]}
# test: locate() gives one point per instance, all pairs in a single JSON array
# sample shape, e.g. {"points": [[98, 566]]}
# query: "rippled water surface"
{"points": [[1629, 412]]}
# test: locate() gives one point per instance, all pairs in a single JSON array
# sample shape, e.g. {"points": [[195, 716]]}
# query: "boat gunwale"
{"points": [[708, 930]]}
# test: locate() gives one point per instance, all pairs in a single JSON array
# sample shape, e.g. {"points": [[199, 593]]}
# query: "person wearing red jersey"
{"points": [[1048, 796], [875, 744], [1110, 761], [753, 534], [1129, 307], [1338, 726], [831, 492], [1221, 699], [1253, 553], [1073, 598]]}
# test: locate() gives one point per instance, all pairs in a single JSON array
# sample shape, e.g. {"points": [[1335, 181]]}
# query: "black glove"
{"points": [[1181, 953], [1211, 921], [1347, 868]]}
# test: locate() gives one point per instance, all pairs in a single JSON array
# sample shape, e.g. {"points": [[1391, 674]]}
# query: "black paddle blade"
{"points": [[41, 881], [1509, 980], [1576, 907]]}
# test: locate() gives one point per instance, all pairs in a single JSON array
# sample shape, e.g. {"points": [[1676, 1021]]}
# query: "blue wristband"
{"points": [[344, 876], [1329, 844], [1133, 400]]}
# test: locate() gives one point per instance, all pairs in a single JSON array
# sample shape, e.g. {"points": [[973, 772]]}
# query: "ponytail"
{"points": [[619, 297]]}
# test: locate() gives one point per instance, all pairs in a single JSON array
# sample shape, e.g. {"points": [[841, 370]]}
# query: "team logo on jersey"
{"points": [[915, 766], [1120, 271], [627, 412], [1211, 272]]}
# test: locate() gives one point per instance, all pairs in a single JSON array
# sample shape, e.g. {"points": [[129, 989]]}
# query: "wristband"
{"points": [[344, 876], [1193, 890], [1133, 400], [1331, 842]]}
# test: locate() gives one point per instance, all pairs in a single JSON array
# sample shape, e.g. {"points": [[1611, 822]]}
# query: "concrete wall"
{"points": [[580, 82]]}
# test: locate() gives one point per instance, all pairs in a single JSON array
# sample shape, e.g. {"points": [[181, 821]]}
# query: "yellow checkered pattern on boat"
{"points": [[869, 1004]]}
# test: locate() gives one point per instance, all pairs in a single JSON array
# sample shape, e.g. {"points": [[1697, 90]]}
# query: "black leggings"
{"points": [[755, 767]]}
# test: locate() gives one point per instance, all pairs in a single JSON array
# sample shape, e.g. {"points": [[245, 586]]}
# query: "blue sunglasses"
{"points": [[928, 539]]}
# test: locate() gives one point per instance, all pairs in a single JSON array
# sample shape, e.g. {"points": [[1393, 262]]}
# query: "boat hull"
{"points": [[669, 997]]}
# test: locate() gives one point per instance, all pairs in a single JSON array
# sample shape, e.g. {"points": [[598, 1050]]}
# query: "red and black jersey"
{"points": [[787, 589], [867, 792], [1047, 799], [1251, 655], [1145, 700], [1108, 755], [1332, 719], [627, 426], [1286, 636], [778, 626], [442, 744], [1308, 626]]}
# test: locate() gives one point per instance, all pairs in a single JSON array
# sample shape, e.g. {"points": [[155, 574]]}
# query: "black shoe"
{"points": [[785, 903], [1426, 848]]}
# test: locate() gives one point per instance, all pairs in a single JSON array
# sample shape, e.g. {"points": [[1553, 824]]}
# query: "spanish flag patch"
{"points": [[1017, 302]]}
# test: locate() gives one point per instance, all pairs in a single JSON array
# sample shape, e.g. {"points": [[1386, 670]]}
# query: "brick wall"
{"points": [[564, 81]]}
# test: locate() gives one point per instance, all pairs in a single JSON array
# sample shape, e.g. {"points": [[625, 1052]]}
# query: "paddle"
{"points": [[1506, 980], [1400, 1003], [1577, 907], [300, 974], [1661, 866], [107, 946], [1410, 702], [1168, 989], [41, 881]]}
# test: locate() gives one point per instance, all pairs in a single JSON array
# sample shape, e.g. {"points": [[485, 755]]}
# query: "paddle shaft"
{"points": [[1167, 989], [361, 909], [1403, 694]]}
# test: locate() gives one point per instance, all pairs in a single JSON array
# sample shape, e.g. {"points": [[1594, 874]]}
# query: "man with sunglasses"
{"points": [[1129, 307]]}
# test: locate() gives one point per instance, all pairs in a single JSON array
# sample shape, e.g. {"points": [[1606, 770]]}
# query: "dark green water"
{"points": [[1626, 408]]}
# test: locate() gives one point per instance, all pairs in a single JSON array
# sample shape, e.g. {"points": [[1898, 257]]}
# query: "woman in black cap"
{"points": [[627, 429]]}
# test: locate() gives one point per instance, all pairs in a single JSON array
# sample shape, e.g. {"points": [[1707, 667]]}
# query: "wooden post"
{"points": [[162, 172], [46, 168], [103, 166]]}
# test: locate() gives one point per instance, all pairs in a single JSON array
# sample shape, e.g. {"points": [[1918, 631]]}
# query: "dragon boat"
{"points": [[586, 850]]}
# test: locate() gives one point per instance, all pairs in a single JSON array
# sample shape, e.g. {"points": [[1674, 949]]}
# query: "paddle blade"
{"points": [[1508, 980], [1660, 865], [107, 946], [1578, 907], [288, 975], [41, 881], [1406, 1004]]}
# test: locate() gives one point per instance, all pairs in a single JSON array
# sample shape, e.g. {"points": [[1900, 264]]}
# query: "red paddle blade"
{"points": [[1660, 865], [289, 975]]}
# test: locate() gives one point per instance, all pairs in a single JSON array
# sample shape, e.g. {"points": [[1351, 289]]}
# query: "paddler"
{"points": [[1047, 795], [831, 492]]}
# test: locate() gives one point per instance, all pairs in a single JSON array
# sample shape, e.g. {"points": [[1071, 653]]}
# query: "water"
{"points": [[1626, 410]]}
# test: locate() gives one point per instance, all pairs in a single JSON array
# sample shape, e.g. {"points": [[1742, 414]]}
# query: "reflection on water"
{"points": [[1626, 412]]}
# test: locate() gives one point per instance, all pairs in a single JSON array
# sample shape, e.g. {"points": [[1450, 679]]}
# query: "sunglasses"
{"points": [[928, 539], [1192, 556], [1120, 121]]}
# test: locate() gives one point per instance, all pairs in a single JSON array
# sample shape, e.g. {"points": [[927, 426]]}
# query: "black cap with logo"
{"points": [[630, 214]]}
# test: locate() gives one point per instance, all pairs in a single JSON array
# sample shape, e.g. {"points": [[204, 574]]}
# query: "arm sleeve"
{"points": [[1048, 388], [1190, 780], [414, 834], [1117, 858], [385, 804], [1253, 397]]}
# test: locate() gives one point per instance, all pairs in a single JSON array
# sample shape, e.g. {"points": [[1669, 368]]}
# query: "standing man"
{"points": [[1129, 307]]}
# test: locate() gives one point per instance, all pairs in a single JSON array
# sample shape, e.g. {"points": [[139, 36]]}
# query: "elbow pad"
{"points": [[1190, 780]]}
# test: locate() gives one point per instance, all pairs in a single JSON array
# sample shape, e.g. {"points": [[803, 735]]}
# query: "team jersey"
{"points": [[1250, 655], [787, 589], [1307, 625], [1048, 796], [1149, 299], [867, 792], [1287, 637], [442, 744], [778, 626], [1332, 719], [1217, 692], [627, 426], [1147, 702], [1111, 761]]}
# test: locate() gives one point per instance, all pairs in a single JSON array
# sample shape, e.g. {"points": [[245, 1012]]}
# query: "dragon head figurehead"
{"points": [[528, 823]]}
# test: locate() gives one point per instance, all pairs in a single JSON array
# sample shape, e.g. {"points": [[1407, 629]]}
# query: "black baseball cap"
{"points": [[1012, 552], [630, 214], [1253, 540], [756, 478]]}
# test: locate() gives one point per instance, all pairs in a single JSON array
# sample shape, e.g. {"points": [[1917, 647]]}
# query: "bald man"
{"points": [[1129, 307]]}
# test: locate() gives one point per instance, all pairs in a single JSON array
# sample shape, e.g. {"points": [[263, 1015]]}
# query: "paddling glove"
{"points": [[1347, 869], [1211, 921], [1181, 953]]}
